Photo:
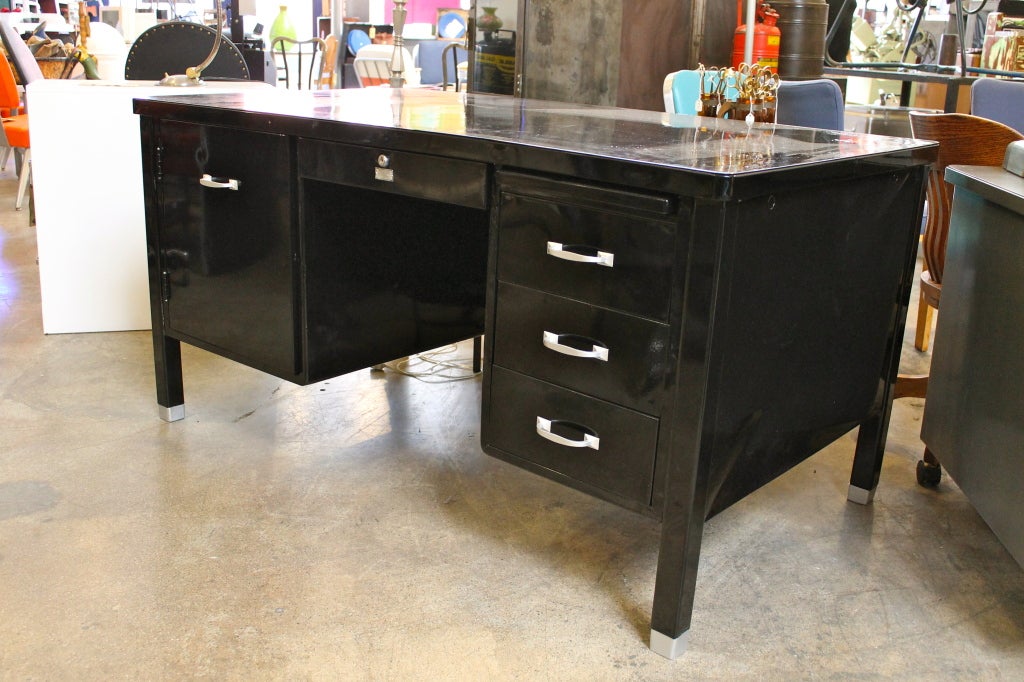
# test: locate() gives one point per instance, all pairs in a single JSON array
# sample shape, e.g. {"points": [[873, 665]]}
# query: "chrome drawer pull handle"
{"points": [[554, 342], [571, 252], [218, 183], [590, 439]]}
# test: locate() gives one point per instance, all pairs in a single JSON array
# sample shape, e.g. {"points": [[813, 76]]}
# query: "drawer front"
{"points": [[451, 181], [620, 462], [602, 253], [611, 355]]}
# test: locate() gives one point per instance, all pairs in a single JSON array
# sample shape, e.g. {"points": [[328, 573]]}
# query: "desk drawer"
{"points": [[620, 458], [542, 335], [450, 181], [615, 249]]}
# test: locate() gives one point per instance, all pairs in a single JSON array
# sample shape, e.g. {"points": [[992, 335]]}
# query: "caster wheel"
{"points": [[377, 368], [928, 475]]}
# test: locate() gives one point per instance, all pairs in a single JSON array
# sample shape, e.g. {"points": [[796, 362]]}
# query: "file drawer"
{"points": [[607, 354], [602, 445], [612, 248]]}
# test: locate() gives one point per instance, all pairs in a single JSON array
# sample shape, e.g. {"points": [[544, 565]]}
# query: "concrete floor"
{"points": [[354, 530]]}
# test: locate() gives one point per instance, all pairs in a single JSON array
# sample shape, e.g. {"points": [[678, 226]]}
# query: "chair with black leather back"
{"points": [[300, 63], [173, 46]]}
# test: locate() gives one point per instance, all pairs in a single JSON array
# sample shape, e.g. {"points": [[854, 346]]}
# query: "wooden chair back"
{"points": [[963, 140], [330, 62]]}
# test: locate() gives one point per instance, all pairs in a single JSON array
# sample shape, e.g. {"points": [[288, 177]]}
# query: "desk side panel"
{"points": [[973, 414]]}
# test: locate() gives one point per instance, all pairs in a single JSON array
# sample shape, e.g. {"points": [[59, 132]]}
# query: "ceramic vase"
{"points": [[489, 22], [282, 26]]}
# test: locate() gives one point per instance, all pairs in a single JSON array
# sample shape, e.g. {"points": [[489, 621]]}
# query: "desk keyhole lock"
{"points": [[383, 172]]}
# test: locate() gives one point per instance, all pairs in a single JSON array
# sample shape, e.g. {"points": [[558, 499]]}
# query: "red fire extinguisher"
{"points": [[767, 37]]}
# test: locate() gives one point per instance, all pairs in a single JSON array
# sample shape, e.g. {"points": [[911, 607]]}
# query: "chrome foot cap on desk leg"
{"points": [[859, 495], [172, 414], [663, 645]]}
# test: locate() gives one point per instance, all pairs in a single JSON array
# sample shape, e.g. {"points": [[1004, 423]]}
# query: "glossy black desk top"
{"points": [[703, 145]]}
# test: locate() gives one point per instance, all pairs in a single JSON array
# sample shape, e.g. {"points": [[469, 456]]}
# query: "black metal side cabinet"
{"points": [[222, 249]]}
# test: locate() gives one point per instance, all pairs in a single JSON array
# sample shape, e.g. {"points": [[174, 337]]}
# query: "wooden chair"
{"points": [[963, 139], [330, 62], [967, 140], [312, 52]]}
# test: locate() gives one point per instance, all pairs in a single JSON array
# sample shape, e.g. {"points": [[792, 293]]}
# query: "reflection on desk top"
{"points": [[674, 141]]}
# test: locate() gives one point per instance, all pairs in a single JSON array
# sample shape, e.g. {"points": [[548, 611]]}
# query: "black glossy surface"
{"points": [[421, 176], [642, 243], [227, 255], [621, 469], [638, 362], [387, 276], [805, 310], [461, 121]]}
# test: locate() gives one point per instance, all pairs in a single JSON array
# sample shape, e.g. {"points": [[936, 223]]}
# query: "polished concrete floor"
{"points": [[353, 530]]}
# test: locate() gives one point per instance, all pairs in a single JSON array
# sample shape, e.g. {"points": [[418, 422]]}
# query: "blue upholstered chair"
{"points": [[999, 100], [428, 55], [814, 103]]}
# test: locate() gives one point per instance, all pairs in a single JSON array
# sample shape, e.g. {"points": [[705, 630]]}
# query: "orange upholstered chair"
{"points": [[16, 126]]}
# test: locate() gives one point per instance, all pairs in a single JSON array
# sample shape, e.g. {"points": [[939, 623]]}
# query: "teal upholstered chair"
{"points": [[682, 90]]}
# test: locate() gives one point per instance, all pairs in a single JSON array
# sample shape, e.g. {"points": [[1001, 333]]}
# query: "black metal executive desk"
{"points": [[677, 310]]}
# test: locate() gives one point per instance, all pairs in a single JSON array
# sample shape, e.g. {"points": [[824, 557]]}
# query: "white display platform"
{"points": [[90, 217]]}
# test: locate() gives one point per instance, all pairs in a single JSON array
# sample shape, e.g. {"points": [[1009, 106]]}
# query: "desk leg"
{"points": [[682, 528], [676, 582], [477, 354], [867, 458], [170, 393]]}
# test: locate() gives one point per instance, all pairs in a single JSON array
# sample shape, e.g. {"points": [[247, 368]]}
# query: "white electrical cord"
{"points": [[434, 367]]}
